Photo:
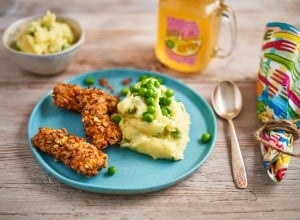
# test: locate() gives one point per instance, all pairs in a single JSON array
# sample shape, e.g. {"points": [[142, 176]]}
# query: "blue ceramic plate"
{"points": [[136, 173]]}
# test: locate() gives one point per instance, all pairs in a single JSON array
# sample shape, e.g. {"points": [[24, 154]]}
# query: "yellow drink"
{"points": [[187, 33]]}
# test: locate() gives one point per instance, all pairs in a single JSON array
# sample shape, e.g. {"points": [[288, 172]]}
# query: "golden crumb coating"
{"points": [[73, 151], [98, 126], [73, 97], [95, 106]]}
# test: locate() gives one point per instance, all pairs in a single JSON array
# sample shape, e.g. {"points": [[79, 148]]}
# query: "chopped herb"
{"points": [[49, 28], [126, 140], [175, 134], [63, 47], [17, 48], [31, 33], [132, 110]]}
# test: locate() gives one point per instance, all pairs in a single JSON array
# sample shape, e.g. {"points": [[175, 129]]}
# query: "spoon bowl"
{"points": [[227, 103], [227, 100]]}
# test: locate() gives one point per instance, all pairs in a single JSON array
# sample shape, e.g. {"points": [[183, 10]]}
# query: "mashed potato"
{"points": [[153, 123], [45, 36]]}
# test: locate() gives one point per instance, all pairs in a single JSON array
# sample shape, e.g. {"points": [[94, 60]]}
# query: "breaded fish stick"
{"points": [[98, 126], [95, 106], [73, 97], [73, 151]]}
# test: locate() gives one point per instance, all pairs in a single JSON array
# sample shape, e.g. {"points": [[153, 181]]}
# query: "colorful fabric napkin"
{"points": [[278, 92]]}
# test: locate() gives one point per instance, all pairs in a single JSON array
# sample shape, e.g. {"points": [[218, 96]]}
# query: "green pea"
{"points": [[154, 95], [151, 109], [147, 117], [150, 93], [156, 83], [165, 101], [89, 81], [111, 170], [160, 80], [124, 91], [116, 119], [150, 101], [169, 93], [168, 110], [142, 92], [164, 111], [144, 83], [134, 88], [142, 77], [205, 137], [150, 85]]}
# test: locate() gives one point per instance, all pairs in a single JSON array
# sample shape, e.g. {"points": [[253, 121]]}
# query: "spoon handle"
{"points": [[238, 167]]}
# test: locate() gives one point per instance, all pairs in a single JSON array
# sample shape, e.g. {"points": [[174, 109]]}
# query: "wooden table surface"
{"points": [[122, 34]]}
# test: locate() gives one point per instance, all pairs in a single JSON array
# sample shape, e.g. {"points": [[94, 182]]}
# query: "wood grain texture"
{"points": [[122, 34]]}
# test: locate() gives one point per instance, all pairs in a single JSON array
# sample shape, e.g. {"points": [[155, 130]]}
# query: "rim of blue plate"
{"points": [[97, 189]]}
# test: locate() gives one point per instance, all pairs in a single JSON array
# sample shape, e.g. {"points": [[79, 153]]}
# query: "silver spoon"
{"points": [[227, 103]]}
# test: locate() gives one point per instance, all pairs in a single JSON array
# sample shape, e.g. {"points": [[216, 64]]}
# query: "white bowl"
{"points": [[42, 64]]}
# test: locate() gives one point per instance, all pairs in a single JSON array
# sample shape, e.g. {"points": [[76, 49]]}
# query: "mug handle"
{"points": [[227, 13]]}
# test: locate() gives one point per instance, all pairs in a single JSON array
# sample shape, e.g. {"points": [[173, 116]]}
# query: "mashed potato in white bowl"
{"points": [[45, 45], [45, 35]]}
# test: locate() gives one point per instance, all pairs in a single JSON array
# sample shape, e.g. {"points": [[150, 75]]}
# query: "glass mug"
{"points": [[187, 33]]}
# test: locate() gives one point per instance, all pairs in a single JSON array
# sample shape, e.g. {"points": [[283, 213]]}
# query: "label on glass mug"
{"points": [[182, 40]]}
